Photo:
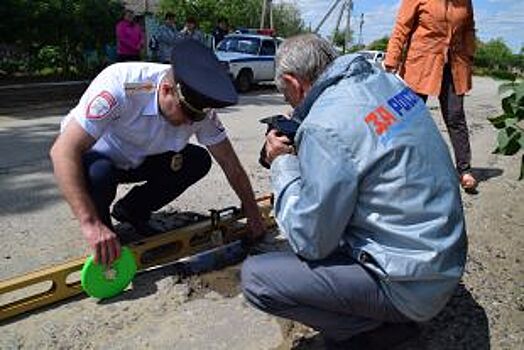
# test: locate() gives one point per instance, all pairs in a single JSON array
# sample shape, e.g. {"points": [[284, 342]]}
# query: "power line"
{"points": [[347, 6]]}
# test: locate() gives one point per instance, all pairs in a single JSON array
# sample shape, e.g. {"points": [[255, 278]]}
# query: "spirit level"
{"points": [[222, 227]]}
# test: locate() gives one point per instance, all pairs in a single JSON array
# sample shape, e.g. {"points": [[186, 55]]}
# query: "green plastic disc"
{"points": [[100, 282]]}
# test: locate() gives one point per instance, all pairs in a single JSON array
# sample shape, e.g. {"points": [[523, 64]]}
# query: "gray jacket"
{"points": [[373, 176], [195, 35], [165, 36]]}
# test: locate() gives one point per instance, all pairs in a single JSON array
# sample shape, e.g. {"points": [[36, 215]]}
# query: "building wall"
{"points": [[140, 7]]}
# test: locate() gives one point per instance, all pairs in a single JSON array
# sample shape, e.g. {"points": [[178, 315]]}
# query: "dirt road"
{"points": [[208, 312]]}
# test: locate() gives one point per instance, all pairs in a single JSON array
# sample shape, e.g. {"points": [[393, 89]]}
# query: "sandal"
{"points": [[468, 182]]}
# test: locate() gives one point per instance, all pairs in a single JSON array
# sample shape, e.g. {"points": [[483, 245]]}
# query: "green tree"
{"points": [[356, 48], [62, 28], [239, 13], [379, 44], [494, 54], [288, 20], [339, 38]]}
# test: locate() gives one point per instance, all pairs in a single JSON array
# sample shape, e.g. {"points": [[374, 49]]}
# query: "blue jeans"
{"points": [[336, 295], [162, 183]]}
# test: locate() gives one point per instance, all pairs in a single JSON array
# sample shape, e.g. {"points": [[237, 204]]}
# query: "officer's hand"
{"points": [[257, 228], [103, 241], [256, 224], [277, 145]]}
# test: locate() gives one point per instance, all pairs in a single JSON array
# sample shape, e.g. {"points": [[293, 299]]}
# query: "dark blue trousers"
{"points": [[452, 107], [162, 183], [336, 295]]}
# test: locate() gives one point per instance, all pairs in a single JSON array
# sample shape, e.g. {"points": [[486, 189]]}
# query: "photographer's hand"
{"points": [[277, 145]]}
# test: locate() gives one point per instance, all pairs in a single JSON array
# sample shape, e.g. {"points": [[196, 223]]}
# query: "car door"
{"points": [[267, 59]]}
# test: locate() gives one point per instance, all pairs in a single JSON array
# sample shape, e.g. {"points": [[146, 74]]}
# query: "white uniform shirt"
{"points": [[120, 110]]}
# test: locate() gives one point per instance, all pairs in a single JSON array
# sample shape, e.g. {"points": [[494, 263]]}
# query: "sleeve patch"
{"points": [[100, 106]]}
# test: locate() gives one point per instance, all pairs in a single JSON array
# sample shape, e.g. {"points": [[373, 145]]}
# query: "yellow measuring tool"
{"points": [[223, 227]]}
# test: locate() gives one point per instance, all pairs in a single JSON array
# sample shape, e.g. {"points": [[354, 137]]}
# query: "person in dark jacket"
{"points": [[220, 31]]}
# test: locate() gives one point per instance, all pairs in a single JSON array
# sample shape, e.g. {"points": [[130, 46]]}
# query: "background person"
{"points": [[368, 199], [129, 38], [220, 31], [438, 38], [166, 36], [191, 31], [133, 124]]}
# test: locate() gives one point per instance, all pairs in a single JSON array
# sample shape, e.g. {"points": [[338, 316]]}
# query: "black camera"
{"points": [[284, 126]]}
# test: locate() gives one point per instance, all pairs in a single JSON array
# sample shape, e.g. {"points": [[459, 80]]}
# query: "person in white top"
{"points": [[133, 124]]}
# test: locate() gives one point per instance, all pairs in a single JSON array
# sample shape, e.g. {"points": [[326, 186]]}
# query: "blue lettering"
{"points": [[403, 101], [410, 95], [392, 102]]}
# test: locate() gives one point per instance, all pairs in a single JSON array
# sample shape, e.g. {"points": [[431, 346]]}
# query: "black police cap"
{"points": [[203, 81]]}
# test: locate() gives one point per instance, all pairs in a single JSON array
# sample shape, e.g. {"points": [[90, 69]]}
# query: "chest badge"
{"points": [[144, 87], [176, 162]]}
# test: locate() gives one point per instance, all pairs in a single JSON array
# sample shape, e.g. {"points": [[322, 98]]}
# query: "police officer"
{"points": [[133, 124]]}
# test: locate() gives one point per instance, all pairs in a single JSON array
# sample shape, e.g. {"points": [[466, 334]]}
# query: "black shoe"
{"points": [[386, 336], [141, 226]]}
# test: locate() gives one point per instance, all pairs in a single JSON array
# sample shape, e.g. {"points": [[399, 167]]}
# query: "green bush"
{"points": [[47, 58], [12, 65], [54, 33], [502, 74], [510, 139]]}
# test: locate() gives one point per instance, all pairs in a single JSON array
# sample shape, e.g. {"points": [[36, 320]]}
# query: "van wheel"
{"points": [[244, 80]]}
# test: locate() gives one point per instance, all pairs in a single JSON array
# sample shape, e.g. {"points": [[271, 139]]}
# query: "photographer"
{"points": [[368, 199]]}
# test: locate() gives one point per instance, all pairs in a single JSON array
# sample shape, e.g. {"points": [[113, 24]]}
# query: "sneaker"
{"points": [[141, 226]]}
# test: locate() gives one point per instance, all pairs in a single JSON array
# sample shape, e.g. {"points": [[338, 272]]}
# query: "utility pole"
{"points": [[360, 37], [349, 7], [263, 17], [339, 19], [331, 9], [267, 4], [270, 3]]}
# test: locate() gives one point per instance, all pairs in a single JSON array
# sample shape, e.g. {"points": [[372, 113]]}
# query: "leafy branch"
{"points": [[510, 138]]}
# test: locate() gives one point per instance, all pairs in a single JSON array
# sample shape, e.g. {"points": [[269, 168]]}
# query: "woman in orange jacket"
{"points": [[432, 48]]}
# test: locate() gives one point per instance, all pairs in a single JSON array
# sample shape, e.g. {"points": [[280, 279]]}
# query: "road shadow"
{"points": [[271, 99], [44, 101], [462, 324], [26, 183], [38, 102], [484, 174]]}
